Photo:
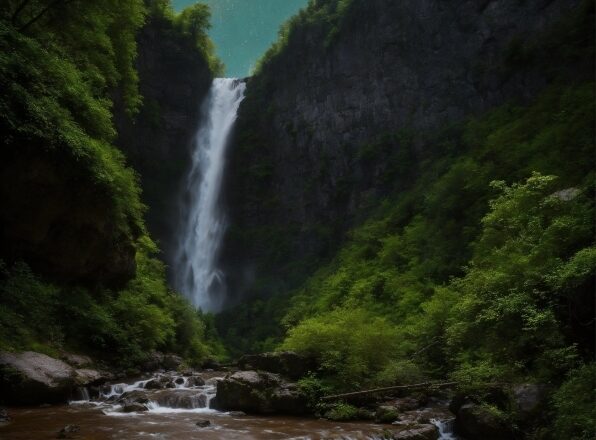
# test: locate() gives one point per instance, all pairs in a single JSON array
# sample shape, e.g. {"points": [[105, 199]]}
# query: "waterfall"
{"points": [[203, 222]]}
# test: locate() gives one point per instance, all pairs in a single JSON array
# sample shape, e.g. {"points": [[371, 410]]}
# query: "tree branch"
{"points": [[51, 5], [18, 10], [395, 388]]}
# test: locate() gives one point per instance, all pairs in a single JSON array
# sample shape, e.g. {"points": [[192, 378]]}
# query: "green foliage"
{"points": [[350, 344], [342, 412], [123, 327], [463, 278], [575, 405], [508, 314], [324, 18], [48, 101], [313, 388], [193, 22], [61, 63], [104, 48]]}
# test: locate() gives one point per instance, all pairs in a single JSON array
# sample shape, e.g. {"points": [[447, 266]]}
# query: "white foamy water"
{"points": [[203, 223], [445, 429]]}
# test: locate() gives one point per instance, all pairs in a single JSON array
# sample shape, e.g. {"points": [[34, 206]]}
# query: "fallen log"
{"points": [[393, 388]]}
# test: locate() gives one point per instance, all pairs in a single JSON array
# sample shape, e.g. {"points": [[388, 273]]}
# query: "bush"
{"points": [[341, 412], [575, 405], [351, 344]]}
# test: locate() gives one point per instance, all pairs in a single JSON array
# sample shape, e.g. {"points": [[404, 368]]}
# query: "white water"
{"points": [[108, 398], [196, 274], [445, 429]]}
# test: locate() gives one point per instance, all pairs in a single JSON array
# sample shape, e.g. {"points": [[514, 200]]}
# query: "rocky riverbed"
{"points": [[257, 398], [170, 405]]}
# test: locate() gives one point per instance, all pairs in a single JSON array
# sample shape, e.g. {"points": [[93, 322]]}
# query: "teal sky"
{"points": [[244, 29]]}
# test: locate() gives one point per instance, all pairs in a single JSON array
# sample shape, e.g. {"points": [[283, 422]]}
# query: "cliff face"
{"points": [[328, 120], [174, 78]]}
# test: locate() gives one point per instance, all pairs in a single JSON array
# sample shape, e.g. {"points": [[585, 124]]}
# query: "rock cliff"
{"points": [[174, 78], [342, 112]]}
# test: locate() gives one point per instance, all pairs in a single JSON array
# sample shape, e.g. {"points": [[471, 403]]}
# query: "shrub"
{"points": [[575, 405]]}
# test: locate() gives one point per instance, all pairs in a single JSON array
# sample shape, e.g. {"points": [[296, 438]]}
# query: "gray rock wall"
{"points": [[174, 78], [305, 165]]}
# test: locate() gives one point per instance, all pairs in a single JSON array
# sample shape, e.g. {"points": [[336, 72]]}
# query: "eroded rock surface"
{"points": [[259, 393]]}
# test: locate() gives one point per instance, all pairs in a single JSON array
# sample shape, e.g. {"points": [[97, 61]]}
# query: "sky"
{"points": [[244, 29]]}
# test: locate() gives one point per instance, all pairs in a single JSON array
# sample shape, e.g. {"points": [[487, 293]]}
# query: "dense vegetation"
{"points": [[479, 266], [56, 108]]}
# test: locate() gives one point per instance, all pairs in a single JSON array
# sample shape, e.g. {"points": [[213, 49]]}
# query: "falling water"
{"points": [[196, 274]]}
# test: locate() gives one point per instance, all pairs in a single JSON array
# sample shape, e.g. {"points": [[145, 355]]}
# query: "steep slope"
{"points": [[321, 135], [174, 78], [78, 269], [468, 195]]}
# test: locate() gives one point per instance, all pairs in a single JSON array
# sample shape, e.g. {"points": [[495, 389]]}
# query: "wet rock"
{"points": [[155, 384], [195, 381], [131, 397], [184, 399], [406, 404], [237, 413], [179, 381], [4, 416], [203, 423], [424, 415], [260, 393], [386, 414], [31, 378], [86, 377], [286, 363], [134, 407], [77, 360], [158, 383], [287, 399], [419, 432], [476, 421], [69, 431]]}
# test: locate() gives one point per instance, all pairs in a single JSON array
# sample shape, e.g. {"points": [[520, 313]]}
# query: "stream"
{"points": [[173, 413]]}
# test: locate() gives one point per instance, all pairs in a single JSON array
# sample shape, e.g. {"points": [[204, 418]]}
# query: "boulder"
{"points": [[133, 407], [153, 362], [259, 393], [31, 378], [195, 381], [530, 399], [184, 399], [407, 404], [287, 399], [424, 416], [418, 432], [69, 431], [158, 361], [171, 362], [87, 377], [160, 383], [203, 423], [136, 396], [476, 421], [286, 363], [77, 360]]}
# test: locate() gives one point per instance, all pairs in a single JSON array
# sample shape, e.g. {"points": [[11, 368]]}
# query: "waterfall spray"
{"points": [[204, 223]]}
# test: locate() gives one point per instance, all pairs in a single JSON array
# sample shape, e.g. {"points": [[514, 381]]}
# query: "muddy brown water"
{"points": [[45, 423]]}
